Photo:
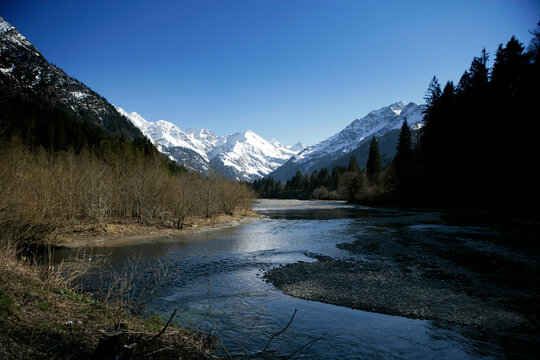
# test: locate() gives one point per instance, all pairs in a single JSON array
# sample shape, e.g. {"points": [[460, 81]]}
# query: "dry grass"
{"points": [[40, 318]]}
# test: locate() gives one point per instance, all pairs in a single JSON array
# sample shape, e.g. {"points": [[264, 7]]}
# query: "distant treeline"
{"points": [[477, 148], [341, 183], [56, 170]]}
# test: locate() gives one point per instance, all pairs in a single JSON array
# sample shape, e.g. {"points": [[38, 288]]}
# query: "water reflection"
{"points": [[222, 271]]}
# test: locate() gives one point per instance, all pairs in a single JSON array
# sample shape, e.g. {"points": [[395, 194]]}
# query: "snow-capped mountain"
{"points": [[247, 156], [25, 71], [243, 156], [297, 147], [376, 123]]}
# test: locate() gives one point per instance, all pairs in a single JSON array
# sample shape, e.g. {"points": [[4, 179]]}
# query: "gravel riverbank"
{"points": [[472, 281]]}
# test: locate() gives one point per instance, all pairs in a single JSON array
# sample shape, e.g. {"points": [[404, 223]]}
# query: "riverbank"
{"points": [[124, 231], [41, 318]]}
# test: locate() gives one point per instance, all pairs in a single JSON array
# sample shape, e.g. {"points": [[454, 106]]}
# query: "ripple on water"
{"points": [[220, 285]]}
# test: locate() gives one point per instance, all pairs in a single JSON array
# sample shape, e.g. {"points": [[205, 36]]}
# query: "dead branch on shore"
{"points": [[164, 327]]}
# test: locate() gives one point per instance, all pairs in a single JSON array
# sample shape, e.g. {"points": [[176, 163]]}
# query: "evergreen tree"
{"points": [[297, 182], [373, 165], [509, 70], [353, 165], [433, 92], [404, 165], [337, 171], [478, 72], [324, 178]]}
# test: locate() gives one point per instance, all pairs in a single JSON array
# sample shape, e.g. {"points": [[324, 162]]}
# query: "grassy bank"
{"points": [[41, 317]]}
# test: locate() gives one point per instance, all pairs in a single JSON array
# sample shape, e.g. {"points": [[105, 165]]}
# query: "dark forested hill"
{"points": [[25, 73]]}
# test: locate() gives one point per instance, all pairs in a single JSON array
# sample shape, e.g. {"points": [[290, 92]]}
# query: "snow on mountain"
{"points": [[376, 123], [165, 134], [297, 147], [247, 156], [243, 156], [25, 71]]}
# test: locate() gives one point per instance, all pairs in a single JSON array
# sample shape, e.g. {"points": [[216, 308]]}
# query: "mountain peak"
{"points": [[398, 107], [250, 134], [299, 146], [242, 156], [10, 33], [5, 26]]}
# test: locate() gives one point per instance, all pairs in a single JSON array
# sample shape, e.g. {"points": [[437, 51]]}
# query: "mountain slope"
{"points": [[244, 156], [325, 153], [23, 70], [185, 148]]}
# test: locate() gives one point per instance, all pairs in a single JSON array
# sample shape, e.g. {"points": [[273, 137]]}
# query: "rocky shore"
{"points": [[446, 281], [379, 288]]}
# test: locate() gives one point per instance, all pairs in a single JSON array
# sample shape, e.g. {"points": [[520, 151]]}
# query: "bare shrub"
{"points": [[71, 271], [40, 192], [134, 285]]}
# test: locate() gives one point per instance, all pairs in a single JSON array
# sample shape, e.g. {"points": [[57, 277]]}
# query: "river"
{"points": [[220, 288]]}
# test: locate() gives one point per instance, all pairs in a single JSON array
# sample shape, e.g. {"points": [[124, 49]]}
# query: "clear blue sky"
{"points": [[289, 70]]}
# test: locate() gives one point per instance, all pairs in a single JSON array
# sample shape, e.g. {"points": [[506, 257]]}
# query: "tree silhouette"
{"points": [[405, 166], [373, 165]]}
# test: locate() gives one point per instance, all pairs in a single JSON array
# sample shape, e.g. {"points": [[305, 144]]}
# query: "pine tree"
{"points": [[404, 165], [324, 178], [353, 165], [509, 69], [373, 165], [433, 92]]}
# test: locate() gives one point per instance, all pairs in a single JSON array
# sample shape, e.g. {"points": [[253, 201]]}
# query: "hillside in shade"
{"points": [[25, 72]]}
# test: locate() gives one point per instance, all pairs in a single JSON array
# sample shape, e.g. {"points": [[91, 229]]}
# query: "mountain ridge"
{"points": [[24, 70], [376, 123], [243, 156]]}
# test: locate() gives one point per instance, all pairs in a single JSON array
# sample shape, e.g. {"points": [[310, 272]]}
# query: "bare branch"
{"points": [[280, 332], [165, 327]]}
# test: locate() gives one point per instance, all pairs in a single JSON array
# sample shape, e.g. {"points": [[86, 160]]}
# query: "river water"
{"points": [[219, 287]]}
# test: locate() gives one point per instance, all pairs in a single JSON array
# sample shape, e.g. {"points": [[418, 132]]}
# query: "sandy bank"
{"points": [[121, 232]]}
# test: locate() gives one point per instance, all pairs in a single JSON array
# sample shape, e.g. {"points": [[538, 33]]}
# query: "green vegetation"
{"points": [[341, 183], [153, 322], [38, 124], [44, 305], [41, 320], [7, 305], [373, 165], [82, 298]]}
